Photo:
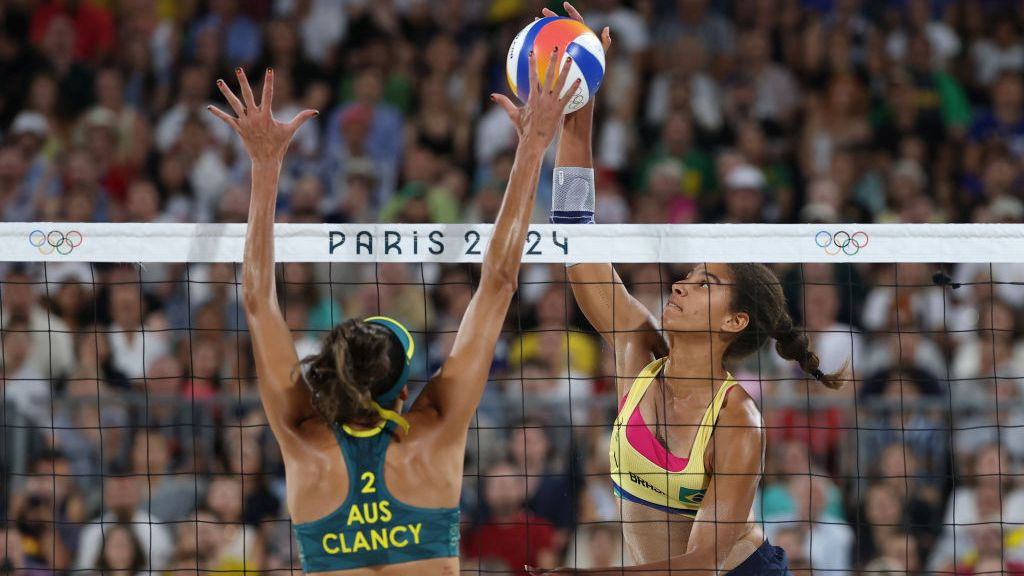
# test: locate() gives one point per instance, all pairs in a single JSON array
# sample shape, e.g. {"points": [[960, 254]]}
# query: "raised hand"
{"points": [[265, 139], [539, 119], [606, 35]]}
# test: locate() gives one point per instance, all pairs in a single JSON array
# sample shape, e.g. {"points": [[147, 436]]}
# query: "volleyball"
{"points": [[573, 39]]}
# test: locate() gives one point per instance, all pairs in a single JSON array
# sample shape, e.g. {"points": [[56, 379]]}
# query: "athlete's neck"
{"points": [[694, 361]]}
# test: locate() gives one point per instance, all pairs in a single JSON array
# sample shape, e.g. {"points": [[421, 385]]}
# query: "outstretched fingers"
{"points": [[571, 92], [247, 97], [267, 98], [534, 81], [301, 119], [233, 100], [572, 12], [224, 116], [511, 109], [549, 76], [563, 76]]}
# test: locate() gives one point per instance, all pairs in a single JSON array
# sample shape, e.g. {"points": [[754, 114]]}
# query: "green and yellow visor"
{"points": [[388, 397]]}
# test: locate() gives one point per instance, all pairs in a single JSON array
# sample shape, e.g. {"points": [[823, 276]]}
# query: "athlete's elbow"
{"points": [[707, 554], [252, 301], [255, 301], [500, 279]]}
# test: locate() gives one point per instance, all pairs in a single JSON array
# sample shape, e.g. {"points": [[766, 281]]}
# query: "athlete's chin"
{"points": [[676, 325]]}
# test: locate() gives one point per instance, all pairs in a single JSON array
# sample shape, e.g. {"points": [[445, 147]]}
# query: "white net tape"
{"points": [[625, 243]]}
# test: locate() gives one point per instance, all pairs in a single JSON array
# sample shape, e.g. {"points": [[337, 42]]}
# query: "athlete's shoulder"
{"points": [[740, 410]]}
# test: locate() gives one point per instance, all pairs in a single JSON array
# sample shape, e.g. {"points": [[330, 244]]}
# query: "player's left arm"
{"points": [[737, 465], [454, 392], [737, 462]]}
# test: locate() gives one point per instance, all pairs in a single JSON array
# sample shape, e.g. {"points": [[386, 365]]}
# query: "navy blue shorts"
{"points": [[767, 560]]}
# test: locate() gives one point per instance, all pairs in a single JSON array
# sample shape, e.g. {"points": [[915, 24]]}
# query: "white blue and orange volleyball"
{"points": [[574, 40]]}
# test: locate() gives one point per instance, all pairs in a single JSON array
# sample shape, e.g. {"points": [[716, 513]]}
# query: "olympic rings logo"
{"points": [[55, 241], [842, 241]]}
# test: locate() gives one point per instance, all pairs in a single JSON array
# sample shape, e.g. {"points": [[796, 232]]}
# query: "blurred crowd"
{"points": [[133, 440]]}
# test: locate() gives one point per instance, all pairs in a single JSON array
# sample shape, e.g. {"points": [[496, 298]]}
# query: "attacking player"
{"points": [[687, 447]]}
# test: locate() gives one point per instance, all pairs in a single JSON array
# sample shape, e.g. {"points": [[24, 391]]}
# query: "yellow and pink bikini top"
{"points": [[643, 470]]}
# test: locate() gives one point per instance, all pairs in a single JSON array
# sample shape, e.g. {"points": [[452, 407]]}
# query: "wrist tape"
{"points": [[573, 196]]}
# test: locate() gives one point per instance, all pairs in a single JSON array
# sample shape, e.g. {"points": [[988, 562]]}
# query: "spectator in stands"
{"points": [[986, 494], [555, 314], [12, 555], [198, 541], [983, 386], [826, 541], [883, 521], [836, 119], [789, 460], [89, 429], [908, 309], [26, 391], [49, 349], [241, 547], [122, 552], [550, 493], [696, 18], [835, 342], [511, 537], [895, 419], [37, 515], [133, 343], [16, 202], [74, 79], [121, 501], [1000, 125], [791, 539], [166, 495], [763, 91]]}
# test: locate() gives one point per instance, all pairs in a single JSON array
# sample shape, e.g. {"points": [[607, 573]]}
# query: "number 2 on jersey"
{"points": [[368, 478]]}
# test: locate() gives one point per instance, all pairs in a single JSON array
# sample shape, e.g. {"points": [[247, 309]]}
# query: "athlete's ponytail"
{"points": [[793, 344], [356, 361], [757, 292]]}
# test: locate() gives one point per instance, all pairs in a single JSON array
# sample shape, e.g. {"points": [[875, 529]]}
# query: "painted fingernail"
{"points": [[568, 59], [219, 81], [270, 70], [238, 70], [556, 48], [316, 112]]}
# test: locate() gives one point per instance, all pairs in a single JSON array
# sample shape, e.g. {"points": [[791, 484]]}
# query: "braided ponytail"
{"points": [[793, 344], [757, 292]]}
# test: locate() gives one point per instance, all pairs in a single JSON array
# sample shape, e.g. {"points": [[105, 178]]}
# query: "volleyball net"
{"points": [[131, 417]]}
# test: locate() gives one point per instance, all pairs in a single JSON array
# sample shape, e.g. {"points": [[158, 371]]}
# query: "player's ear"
{"points": [[735, 322]]}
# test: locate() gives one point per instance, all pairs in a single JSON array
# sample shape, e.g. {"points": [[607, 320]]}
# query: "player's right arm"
{"points": [[621, 319], [455, 391], [285, 398]]}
